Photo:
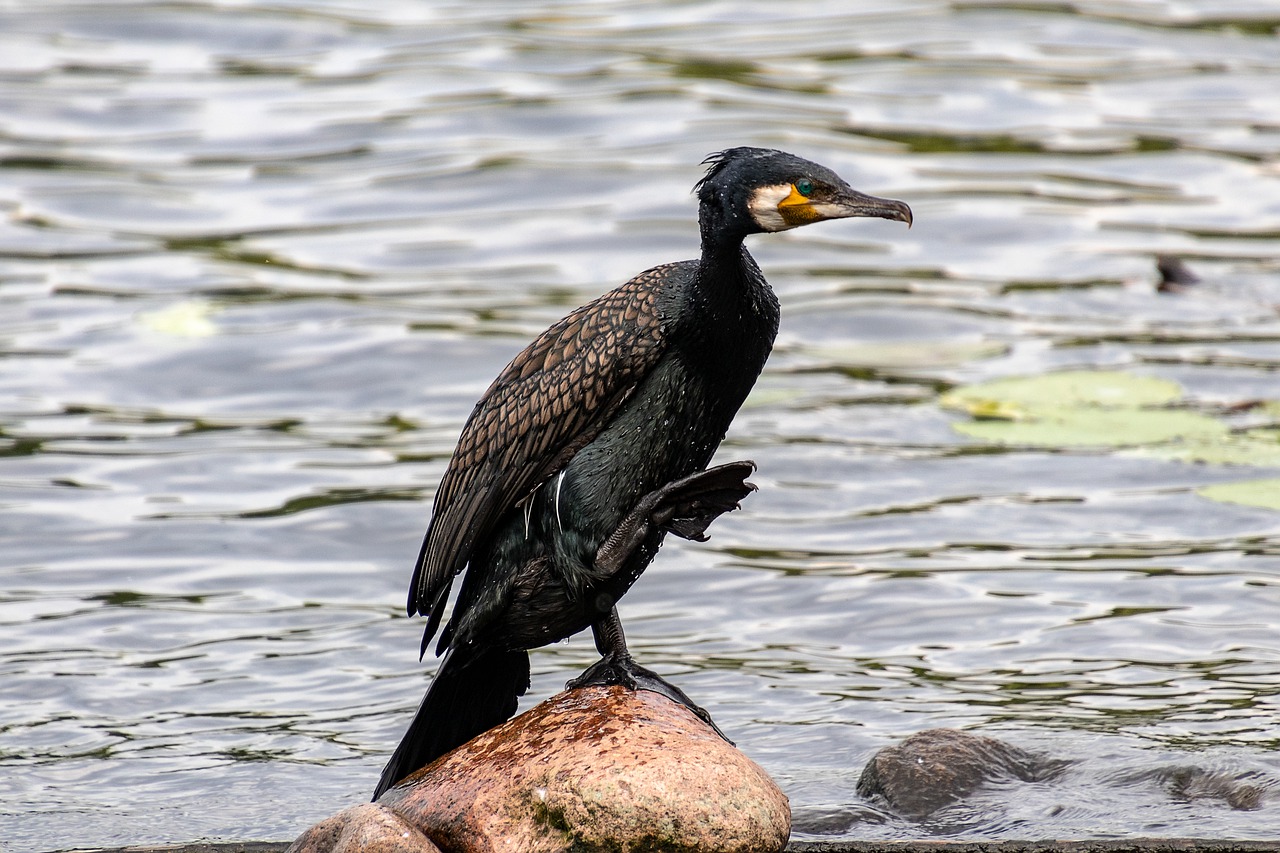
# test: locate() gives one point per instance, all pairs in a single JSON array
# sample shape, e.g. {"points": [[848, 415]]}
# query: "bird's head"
{"points": [[752, 190]]}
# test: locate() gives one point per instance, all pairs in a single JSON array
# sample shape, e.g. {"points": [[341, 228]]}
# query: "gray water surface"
{"points": [[258, 259]]}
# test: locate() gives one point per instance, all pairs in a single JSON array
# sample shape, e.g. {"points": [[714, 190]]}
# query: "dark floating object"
{"points": [[937, 767], [1175, 275], [585, 452]]}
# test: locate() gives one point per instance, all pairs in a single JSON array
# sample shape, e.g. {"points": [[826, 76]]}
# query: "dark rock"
{"points": [[937, 767], [600, 768]]}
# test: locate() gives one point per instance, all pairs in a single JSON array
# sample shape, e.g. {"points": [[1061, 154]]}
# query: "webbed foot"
{"points": [[621, 669]]}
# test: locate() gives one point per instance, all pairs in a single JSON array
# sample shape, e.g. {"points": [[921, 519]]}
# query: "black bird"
{"points": [[591, 445], [1175, 275]]}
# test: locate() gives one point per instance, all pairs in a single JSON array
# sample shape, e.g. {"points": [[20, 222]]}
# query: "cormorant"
{"points": [[591, 445], [1175, 275]]}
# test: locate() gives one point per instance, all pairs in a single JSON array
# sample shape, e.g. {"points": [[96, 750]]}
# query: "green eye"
{"points": [[804, 186]]}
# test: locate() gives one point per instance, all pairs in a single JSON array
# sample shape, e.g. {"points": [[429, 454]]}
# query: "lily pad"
{"points": [[1079, 408], [1105, 388], [1113, 409], [1259, 447], [1260, 493], [1093, 426]]}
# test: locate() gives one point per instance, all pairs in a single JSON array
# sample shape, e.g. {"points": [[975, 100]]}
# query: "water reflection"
{"points": [[259, 262]]}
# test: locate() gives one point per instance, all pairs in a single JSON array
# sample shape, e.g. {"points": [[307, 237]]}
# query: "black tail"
{"points": [[471, 693]]}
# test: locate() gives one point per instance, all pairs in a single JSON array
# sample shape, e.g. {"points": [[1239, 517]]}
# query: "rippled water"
{"points": [[258, 259]]}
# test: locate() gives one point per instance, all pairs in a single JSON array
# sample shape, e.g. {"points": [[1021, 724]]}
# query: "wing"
{"points": [[552, 400]]}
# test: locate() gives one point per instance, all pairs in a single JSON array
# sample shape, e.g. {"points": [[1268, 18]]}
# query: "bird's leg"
{"points": [[685, 507], [608, 635], [616, 666]]}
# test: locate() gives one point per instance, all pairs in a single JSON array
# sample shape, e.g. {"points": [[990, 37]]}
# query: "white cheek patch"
{"points": [[764, 207]]}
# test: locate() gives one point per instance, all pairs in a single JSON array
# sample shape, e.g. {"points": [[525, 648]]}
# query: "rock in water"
{"points": [[1244, 791], [600, 768], [937, 767], [368, 828]]}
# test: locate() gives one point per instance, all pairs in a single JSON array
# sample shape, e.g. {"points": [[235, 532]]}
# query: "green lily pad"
{"points": [[1078, 408], [1105, 388], [1259, 447], [1113, 409], [1093, 426], [1260, 493]]}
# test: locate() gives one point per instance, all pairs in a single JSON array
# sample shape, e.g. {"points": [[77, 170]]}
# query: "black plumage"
{"points": [[591, 445]]}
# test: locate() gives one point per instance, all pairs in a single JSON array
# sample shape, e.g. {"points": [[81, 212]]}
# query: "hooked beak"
{"points": [[849, 203]]}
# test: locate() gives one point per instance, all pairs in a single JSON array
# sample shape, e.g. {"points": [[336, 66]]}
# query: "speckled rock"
{"points": [[597, 768], [601, 768], [368, 828], [937, 767]]}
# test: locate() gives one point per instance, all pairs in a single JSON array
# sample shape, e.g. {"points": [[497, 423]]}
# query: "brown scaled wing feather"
{"points": [[552, 400]]}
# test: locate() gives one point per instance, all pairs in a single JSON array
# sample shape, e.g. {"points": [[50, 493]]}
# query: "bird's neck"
{"points": [[725, 264], [727, 274], [722, 229], [733, 319], [734, 301]]}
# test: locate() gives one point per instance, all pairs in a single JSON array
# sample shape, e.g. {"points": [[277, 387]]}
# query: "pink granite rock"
{"points": [[368, 828], [597, 768]]}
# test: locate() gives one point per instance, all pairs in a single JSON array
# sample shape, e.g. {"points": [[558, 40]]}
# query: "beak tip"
{"points": [[904, 214], [882, 208]]}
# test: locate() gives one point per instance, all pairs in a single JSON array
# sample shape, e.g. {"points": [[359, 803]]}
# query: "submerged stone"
{"points": [[599, 768], [368, 828], [1242, 791], [938, 767]]}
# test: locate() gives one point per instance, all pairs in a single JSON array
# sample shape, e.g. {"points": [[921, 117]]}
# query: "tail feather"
{"points": [[470, 694]]}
